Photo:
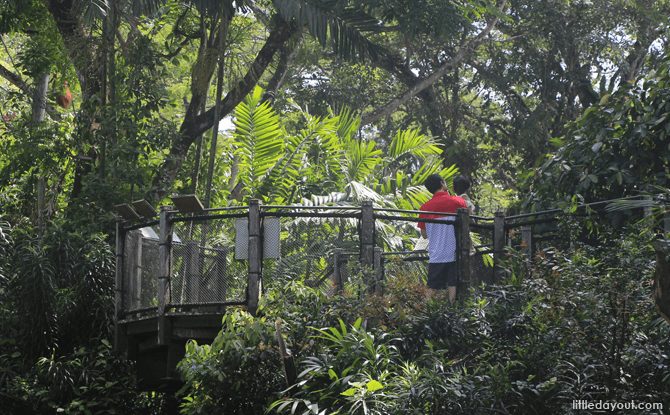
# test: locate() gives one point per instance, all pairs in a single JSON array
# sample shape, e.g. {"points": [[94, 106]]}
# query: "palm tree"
{"points": [[325, 163]]}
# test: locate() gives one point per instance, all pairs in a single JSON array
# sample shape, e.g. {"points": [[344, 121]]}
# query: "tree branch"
{"points": [[194, 125], [16, 80], [462, 53]]}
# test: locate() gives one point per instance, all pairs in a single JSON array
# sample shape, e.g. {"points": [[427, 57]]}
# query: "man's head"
{"points": [[461, 184], [435, 183]]}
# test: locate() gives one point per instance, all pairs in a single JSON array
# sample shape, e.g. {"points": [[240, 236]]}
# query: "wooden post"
{"points": [[463, 251], [164, 272], [338, 283], [379, 271], [119, 307], [498, 245], [527, 241], [255, 256], [367, 234]]}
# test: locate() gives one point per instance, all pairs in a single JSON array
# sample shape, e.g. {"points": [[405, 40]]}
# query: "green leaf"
{"points": [[597, 146], [557, 142], [373, 385], [357, 324], [349, 392]]}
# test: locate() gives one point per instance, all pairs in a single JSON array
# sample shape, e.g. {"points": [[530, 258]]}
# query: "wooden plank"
{"points": [[142, 327], [126, 212], [198, 334], [221, 272], [144, 208], [527, 241], [379, 272], [337, 270], [197, 321], [187, 203]]}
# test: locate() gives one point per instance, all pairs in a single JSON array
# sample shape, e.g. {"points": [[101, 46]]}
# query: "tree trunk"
{"points": [[40, 97], [223, 31]]}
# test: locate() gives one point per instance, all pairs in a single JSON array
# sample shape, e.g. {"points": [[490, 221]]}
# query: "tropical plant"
{"points": [[240, 372], [326, 157]]}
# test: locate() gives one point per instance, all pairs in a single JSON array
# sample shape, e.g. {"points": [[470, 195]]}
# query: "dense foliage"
{"points": [[618, 148], [56, 305], [481, 87], [573, 324]]}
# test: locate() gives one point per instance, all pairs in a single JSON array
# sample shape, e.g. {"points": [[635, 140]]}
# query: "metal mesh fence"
{"points": [[204, 268], [209, 253], [140, 269], [481, 260], [401, 255], [399, 237], [410, 265], [302, 248]]}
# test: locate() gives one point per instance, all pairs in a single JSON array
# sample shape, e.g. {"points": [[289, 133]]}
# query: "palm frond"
{"points": [[257, 140], [334, 198], [325, 157], [362, 157], [418, 195], [409, 148], [359, 192], [621, 205], [411, 142], [91, 10], [326, 19], [348, 124]]}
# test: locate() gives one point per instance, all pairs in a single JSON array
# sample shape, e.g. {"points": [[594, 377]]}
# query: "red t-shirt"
{"points": [[440, 202]]}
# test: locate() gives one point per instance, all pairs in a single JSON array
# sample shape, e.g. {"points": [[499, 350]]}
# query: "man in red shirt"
{"points": [[442, 271]]}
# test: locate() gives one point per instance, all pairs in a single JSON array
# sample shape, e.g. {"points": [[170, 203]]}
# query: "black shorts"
{"points": [[442, 275]]}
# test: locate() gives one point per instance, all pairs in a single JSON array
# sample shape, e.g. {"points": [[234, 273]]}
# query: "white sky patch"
{"points": [[226, 125]]}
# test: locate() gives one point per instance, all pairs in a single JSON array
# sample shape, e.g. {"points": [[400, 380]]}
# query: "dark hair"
{"points": [[461, 184], [433, 183]]}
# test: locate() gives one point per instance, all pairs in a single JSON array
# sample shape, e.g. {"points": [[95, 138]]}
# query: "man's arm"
{"points": [[424, 234]]}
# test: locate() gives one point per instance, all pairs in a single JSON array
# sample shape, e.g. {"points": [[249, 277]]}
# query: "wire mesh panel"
{"points": [[203, 266], [398, 239], [140, 274], [409, 266], [481, 258], [306, 247]]}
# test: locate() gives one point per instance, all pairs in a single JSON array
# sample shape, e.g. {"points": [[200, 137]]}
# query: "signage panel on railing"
{"points": [[271, 238]]}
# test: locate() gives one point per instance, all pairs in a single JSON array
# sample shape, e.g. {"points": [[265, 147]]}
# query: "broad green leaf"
{"points": [[373, 385]]}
